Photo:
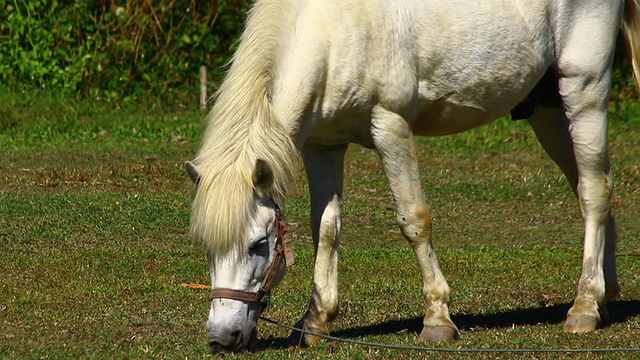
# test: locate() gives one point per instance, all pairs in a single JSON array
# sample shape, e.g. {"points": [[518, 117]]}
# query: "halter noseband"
{"points": [[283, 252]]}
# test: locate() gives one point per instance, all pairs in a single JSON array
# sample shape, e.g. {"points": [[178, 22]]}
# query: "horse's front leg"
{"points": [[324, 166], [395, 144]]}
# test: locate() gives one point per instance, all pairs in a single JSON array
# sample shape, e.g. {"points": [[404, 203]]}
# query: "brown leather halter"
{"points": [[283, 252]]}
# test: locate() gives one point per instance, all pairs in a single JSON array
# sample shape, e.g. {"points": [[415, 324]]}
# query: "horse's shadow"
{"points": [[619, 311]]}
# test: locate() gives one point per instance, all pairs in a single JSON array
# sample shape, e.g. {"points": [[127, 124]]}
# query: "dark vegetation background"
{"points": [[126, 50], [116, 50]]}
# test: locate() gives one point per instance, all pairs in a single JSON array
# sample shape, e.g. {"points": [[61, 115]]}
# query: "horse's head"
{"points": [[243, 276]]}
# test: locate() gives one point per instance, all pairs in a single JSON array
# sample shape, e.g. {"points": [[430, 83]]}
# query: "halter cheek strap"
{"points": [[283, 252]]}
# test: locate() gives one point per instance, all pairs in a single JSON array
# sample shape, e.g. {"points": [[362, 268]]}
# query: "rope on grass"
{"points": [[436, 349], [452, 350]]}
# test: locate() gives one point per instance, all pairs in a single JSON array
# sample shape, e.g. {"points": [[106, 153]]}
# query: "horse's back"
{"points": [[445, 65]]}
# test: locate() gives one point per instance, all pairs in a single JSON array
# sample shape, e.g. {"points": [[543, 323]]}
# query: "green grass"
{"points": [[94, 219]]}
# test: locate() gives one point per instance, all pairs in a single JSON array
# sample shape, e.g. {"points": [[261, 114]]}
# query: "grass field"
{"points": [[94, 213]]}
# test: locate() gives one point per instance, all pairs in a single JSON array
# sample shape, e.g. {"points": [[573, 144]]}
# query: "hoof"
{"points": [[581, 324], [439, 333], [299, 338]]}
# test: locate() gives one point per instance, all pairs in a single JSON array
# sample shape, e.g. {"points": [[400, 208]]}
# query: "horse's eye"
{"points": [[258, 246]]}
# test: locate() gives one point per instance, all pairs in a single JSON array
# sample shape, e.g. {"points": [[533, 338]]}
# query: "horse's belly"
{"points": [[447, 117], [350, 128], [451, 108], [450, 121]]}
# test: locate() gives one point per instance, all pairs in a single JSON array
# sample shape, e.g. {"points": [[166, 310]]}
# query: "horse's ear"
{"points": [[193, 172], [262, 177]]}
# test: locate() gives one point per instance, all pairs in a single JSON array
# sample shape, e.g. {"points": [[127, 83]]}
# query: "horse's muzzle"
{"points": [[231, 340]]}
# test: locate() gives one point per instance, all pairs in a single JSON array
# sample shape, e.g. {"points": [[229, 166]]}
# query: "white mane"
{"points": [[241, 128]]}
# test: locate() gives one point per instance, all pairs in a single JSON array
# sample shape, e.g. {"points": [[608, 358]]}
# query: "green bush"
{"points": [[116, 49]]}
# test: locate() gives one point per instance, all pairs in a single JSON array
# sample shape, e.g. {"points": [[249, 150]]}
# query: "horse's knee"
{"points": [[326, 222], [415, 225]]}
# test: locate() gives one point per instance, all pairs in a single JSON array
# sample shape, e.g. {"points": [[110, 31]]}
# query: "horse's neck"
{"points": [[299, 68]]}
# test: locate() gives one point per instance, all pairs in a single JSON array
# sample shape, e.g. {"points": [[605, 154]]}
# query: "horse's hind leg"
{"points": [[584, 84], [395, 144], [552, 130], [324, 166]]}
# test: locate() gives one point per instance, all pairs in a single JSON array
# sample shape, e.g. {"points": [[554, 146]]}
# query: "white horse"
{"points": [[311, 77]]}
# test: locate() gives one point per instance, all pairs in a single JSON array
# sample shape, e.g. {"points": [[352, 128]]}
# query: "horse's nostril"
{"points": [[236, 341], [228, 342]]}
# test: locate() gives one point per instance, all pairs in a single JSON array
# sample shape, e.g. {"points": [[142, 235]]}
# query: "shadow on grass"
{"points": [[619, 311]]}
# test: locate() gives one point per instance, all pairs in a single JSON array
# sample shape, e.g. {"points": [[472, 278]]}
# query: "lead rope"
{"points": [[448, 350]]}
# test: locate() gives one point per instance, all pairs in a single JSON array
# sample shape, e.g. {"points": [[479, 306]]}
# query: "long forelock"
{"points": [[221, 209], [224, 202]]}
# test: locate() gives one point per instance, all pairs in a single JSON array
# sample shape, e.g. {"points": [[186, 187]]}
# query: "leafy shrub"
{"points": [[116, 49]]}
